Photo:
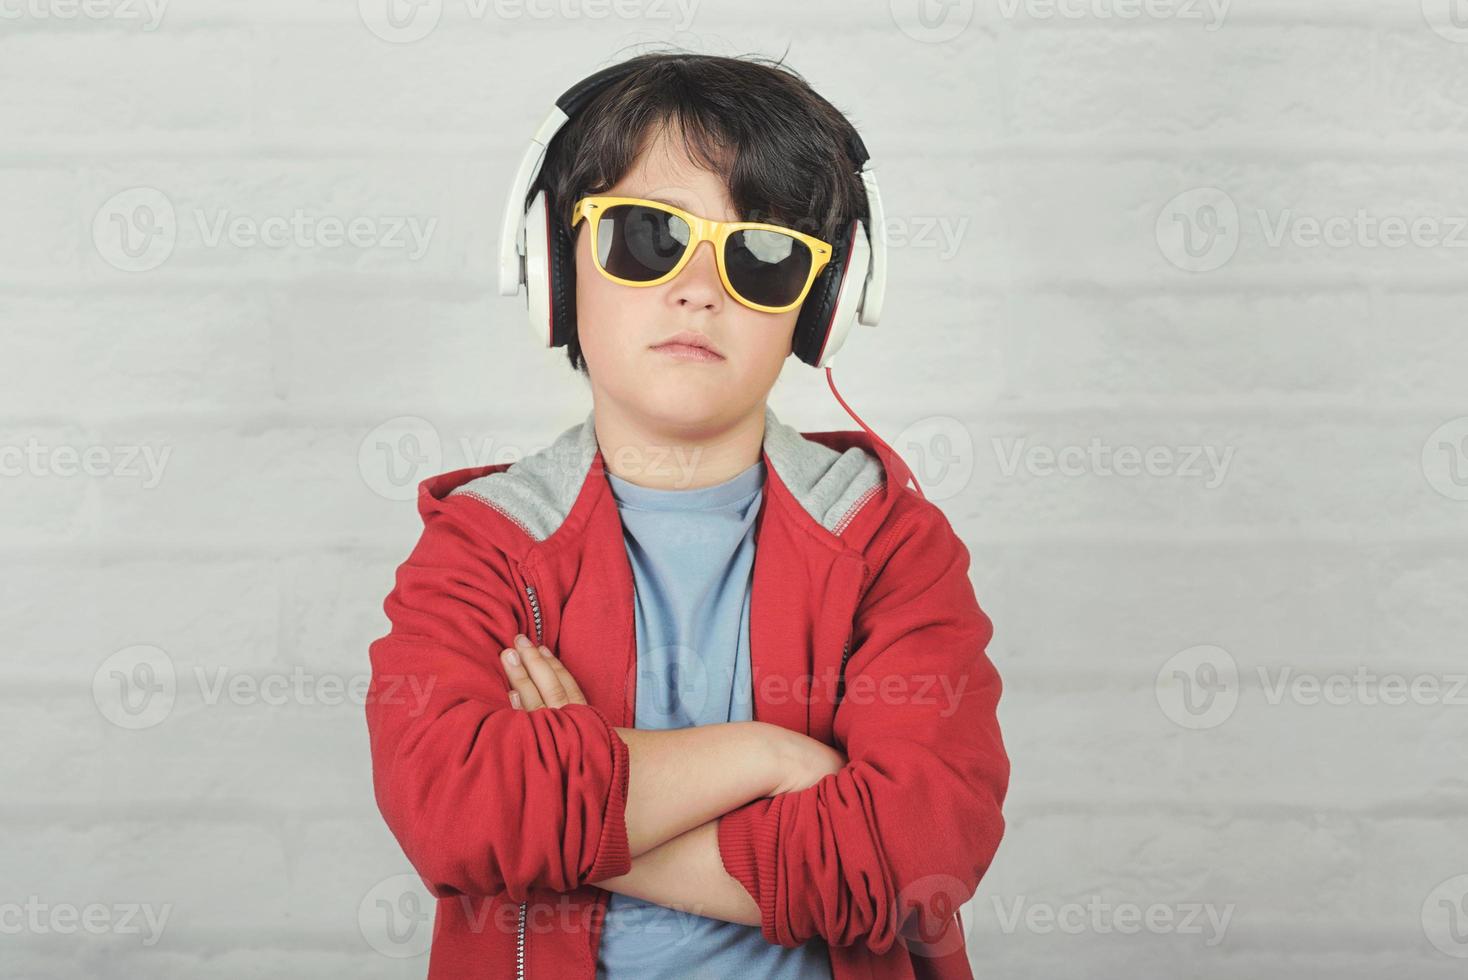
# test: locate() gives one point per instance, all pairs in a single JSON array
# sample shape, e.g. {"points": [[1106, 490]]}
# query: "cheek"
{"points": [[604, 309], [779, 332], [765, 340]]}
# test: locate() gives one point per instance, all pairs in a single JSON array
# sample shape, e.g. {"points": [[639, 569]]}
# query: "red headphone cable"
{"points": [[895, 461]]}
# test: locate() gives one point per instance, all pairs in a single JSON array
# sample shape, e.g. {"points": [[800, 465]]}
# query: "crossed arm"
{"points": [[872, 849], [680, 782]]}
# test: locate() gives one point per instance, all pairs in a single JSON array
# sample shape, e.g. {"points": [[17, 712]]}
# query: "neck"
{"points": [[651, 453]]}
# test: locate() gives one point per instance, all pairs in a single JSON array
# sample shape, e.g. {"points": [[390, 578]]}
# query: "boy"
{"points": [[588, 793]]}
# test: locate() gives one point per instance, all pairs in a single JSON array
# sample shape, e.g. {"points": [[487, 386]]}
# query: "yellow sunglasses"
{"points": [[637, 242]]}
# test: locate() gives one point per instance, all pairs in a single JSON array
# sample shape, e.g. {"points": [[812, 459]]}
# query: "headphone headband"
{"points": [[585, 90]]}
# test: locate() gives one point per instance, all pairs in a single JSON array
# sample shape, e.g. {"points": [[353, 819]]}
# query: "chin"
{"points": [[684, 404]]}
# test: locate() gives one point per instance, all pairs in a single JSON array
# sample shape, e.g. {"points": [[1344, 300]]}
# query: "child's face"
{"points": [[619, 325]]}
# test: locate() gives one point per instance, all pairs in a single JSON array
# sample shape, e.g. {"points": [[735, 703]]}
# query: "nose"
{"points": [[698, 284]]}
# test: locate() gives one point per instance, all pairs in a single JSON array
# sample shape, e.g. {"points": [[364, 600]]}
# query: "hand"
{"points": [[539, 680], [803, 761]]}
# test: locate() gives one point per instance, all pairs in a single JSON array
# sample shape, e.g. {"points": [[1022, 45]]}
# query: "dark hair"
{"points": [[780, 147]]}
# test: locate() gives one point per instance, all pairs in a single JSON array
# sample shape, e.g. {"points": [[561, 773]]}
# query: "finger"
{"points": [[547, 681], [568, 683], [520, 680]]}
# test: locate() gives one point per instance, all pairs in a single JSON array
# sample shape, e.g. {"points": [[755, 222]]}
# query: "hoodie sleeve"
{"points": [[910, 825], [483, 798]]}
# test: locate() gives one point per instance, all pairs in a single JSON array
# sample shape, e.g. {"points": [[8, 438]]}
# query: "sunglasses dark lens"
{"points": [[767, 267], [639, 243]]}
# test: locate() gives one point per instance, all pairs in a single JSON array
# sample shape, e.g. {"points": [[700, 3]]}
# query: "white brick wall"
{"points": [[1037, 161]]}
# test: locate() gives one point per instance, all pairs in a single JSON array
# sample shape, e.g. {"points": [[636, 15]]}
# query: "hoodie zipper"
{"points": [[535, 612], [841, 677], [846, 519], [539, 638], [520, 935]]}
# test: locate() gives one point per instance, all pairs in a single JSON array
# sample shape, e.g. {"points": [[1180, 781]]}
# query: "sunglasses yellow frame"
{"points": [[701, 229]]}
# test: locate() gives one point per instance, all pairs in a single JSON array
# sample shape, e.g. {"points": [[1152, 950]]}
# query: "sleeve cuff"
{"points": [[613, 856], [741, 831]]}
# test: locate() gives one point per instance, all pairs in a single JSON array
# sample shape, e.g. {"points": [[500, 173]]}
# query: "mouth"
{"points": [[689, 346]]}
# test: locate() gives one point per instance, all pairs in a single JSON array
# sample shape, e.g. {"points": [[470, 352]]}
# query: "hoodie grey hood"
{"points": [[538, 492]]}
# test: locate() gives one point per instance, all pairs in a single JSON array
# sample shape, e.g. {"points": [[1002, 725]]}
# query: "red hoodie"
{"points": [[864, 633]]}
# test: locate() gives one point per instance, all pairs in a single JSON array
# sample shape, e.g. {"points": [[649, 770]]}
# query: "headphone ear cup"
{"points": [[813, 324], [849, 298], [537, 272], [562, 283]]}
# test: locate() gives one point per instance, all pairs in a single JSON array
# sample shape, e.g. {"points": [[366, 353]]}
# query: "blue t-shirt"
{"points": [[692, 556]]}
